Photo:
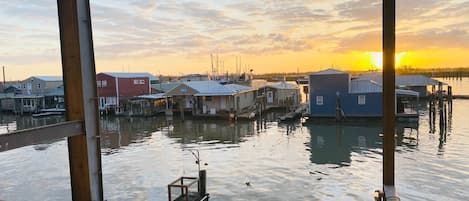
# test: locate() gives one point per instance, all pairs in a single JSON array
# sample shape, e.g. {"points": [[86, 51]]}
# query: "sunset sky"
{"points": [[177, 37]]}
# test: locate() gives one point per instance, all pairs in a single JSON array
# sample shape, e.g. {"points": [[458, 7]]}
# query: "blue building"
{"points": [[334, 93]]}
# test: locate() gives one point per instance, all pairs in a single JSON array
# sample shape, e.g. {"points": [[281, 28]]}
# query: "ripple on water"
{"points": [[313, 161]]}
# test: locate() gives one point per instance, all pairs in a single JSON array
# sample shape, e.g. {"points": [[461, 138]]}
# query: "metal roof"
{"points": [[165, 86], [329, 71], [365, 86], [153, 96], [284, 85], [210, 88], [48, 78], [131, 75], [238, 87], [407, 92], [58, 91], [403, 80]]}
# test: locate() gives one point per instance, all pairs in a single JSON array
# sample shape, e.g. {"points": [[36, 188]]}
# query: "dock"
{"points": [[460, 96], [294, 114]]}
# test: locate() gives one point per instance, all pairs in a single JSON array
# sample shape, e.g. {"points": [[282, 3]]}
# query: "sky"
{"points": [[176, 37]]}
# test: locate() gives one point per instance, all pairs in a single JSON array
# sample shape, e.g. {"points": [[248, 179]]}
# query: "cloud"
{"points": [[144, 28]]}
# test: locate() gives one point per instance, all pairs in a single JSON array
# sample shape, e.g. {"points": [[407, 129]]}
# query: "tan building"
{"points": [[40, 85]]}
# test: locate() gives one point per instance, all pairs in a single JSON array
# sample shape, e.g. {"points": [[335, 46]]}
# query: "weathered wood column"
{"points": [[81, 98]]}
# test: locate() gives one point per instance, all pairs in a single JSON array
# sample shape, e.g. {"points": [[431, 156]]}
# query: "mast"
{"points": [[4, 82]]}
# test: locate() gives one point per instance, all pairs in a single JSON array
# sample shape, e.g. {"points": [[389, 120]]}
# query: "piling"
{"points": [[202, 183]]}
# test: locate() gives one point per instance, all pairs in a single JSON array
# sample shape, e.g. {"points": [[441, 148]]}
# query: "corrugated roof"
{"points": [[364, 86], [210, 88], [165, 86], [59, 91], [330, 71], [238, 87], [153, 96], [131, 75], [402, 80], [415, 80], [49, 78], [284, 85], [407, 92]]}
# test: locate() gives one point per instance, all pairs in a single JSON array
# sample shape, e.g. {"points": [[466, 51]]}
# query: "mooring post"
{"points": [[202, 182]]}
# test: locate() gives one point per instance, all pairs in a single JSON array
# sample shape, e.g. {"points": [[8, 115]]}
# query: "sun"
{"points": [[376, 59]]}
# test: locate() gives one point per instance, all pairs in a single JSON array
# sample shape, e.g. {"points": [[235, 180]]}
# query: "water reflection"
{"points": [[121, 132], [333, 143], [10, 123]]}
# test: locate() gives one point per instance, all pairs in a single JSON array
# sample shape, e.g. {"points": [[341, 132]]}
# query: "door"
{"points": [[223, 103], [101, 103], [270, 97]]}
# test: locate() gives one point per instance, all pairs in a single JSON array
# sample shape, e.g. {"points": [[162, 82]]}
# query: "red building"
{"points": [[115, 87]]}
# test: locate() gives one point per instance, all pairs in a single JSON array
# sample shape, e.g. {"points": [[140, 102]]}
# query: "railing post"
{"points": [[388, 90], [80, 94]]}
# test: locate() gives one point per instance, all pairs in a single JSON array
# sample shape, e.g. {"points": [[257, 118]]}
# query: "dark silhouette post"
{"points": [[389, 12]]}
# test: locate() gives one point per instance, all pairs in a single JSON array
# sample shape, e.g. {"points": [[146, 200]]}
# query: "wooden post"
{"points": [[202, 183], [81, 98], [388, 90]]}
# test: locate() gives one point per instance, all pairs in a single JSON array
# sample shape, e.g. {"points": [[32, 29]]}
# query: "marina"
{"points": [[142, 155], [360, 121]]}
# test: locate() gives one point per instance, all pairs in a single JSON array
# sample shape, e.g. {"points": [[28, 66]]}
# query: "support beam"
{"points": [[39, 135], [80, 94], [388, 90]]}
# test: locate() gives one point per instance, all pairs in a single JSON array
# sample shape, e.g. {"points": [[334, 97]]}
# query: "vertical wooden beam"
{"points": [[80, 94], [388, 90]]}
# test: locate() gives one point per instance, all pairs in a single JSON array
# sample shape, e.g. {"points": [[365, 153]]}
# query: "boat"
{"points": [[49, 112]]}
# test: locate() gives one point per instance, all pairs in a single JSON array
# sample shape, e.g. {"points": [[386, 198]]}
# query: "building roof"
{"points": [[131, 75], [365, 86], [58, 91], [238, 87], [209, 88], [407, 92], [6, 95], [329, 71], [402, 80], [415, 80], [165, 86], [153, 96], [48, 78], [284, 85], [194, 75]]}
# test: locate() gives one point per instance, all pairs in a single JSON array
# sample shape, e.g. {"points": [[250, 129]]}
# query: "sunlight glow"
{"points": [[376, 59]]}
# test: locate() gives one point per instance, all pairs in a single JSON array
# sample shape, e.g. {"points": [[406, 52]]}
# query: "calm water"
{"points": [[299, 161]]}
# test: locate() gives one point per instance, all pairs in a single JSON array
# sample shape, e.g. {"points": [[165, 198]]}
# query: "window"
{"points": [[208, 98], [38, 86], [361, 99], [319, 100], [139, 82], [101, 83]]}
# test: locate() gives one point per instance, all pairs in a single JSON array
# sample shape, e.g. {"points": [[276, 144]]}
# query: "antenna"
{"points": [[211, 59]]}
